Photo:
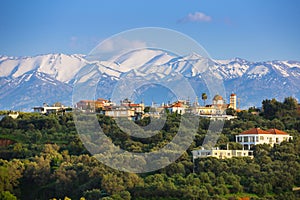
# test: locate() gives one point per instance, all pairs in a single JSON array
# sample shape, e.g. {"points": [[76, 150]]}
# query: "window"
{"points": [[256, 138], [246, 139], [277, 140], [252, 138], [239, 139], [261, 138]]}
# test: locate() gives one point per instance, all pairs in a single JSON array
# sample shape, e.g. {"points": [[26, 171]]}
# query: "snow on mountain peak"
{"points": [[193, 56], [258, 71], [60, 66], [25, 75], [233, 68], [138, 58]]}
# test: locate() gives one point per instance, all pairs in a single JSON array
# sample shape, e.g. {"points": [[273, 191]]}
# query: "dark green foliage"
{"points": [[48, 159], [230, 111], [6, 195], [275, 109]]}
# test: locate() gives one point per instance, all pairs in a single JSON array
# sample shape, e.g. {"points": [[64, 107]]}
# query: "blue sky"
{"points": [[252, 29]]}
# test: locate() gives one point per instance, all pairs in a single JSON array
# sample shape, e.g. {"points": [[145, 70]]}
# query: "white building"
{"points": [[221, 154], [121, 111], [14, 115], [232, 100], [218, 106], [51, 109], [256, 136], [127, 109], [179, 107], [219, 117], [11, 114]]}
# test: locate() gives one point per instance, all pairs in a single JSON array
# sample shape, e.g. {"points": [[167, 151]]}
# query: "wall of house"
{"points": [[221, 154], [253, 139]]}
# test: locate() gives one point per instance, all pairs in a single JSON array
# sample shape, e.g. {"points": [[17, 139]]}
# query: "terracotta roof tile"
{"points": [[135, 105], [276, 131], [177, 104], [255, 131]]}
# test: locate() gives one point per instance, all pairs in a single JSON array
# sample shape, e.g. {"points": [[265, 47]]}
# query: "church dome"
{"points": [[217, 98]]}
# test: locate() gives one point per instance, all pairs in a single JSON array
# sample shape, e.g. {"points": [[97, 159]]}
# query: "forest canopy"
{"points": [[45, 159]]}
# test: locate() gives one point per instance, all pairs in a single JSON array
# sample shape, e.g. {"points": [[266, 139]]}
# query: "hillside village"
{"points": [[135, 111], [215, 111]]}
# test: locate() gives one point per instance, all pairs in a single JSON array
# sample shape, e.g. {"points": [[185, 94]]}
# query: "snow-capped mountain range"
{"points": [[30, 81]]}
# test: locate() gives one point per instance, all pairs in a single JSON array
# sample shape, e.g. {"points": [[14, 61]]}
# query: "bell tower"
{"points": [[232, 101]]}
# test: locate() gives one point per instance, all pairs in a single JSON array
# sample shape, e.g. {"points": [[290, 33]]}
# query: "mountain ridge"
{"points": [[34, 80]]}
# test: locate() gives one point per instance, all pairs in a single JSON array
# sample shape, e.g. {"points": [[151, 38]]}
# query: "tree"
{"points": [[124, 195], [6, 195], [112, 183], [274, 109], [93, 194], [147, 109], [290, 103], [8, 122], [10, 173], [270, 107], [230, 111], [204, 97], [194, 192]]}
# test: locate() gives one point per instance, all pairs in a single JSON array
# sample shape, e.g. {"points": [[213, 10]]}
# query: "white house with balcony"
{"points": [[256, 136]]}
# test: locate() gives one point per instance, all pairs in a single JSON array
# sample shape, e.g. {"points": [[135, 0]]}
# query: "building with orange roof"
{"points": [[256, 136], [93, 105], [179, 106], [276, 131], [126, 109], [138, 108]]}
